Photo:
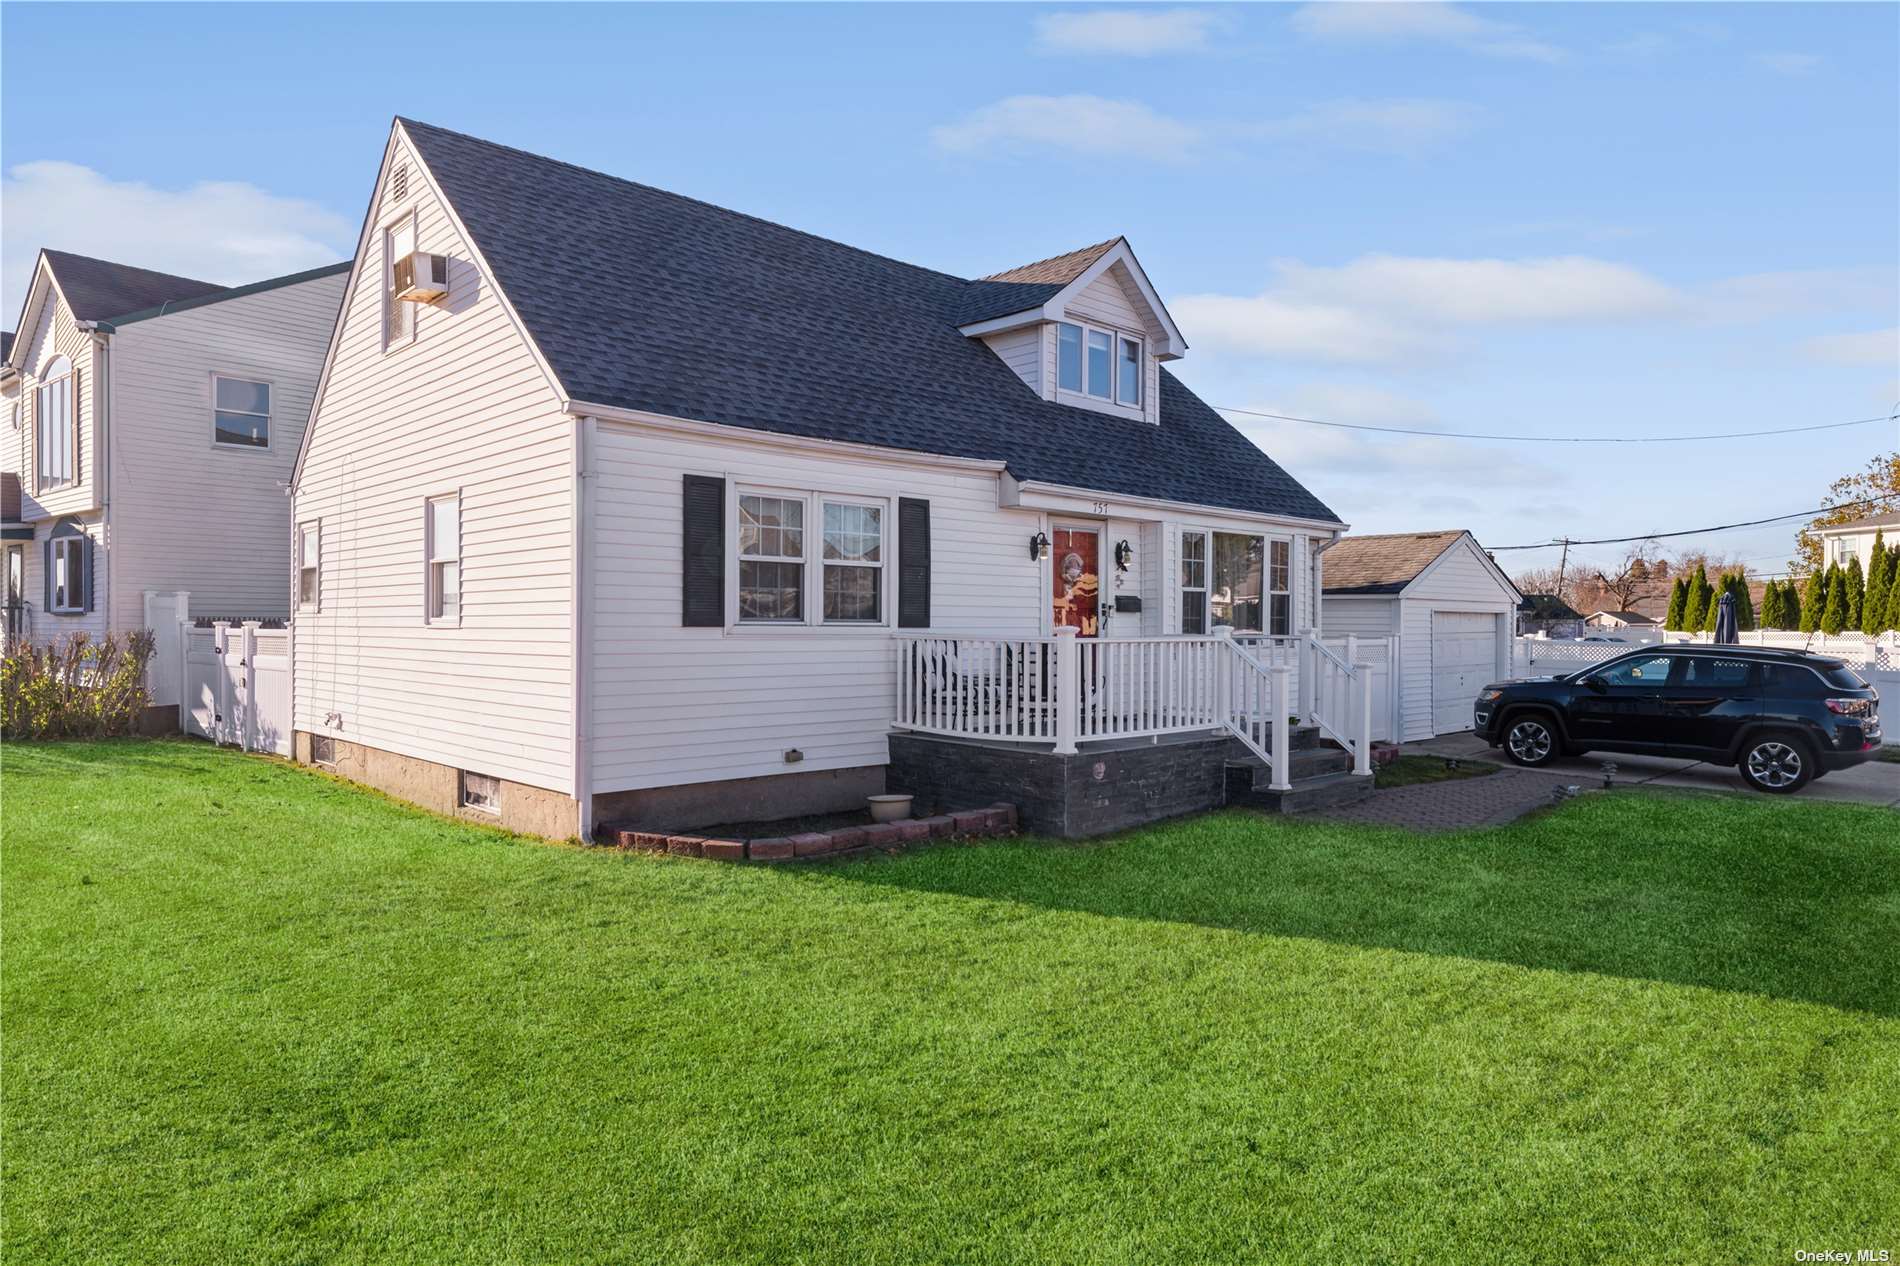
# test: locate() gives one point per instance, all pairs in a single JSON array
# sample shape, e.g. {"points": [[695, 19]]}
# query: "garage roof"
{"points": [[1383, 564]]}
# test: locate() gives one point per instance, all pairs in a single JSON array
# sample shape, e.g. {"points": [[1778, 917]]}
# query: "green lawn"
{"points": [[253, 1015]]}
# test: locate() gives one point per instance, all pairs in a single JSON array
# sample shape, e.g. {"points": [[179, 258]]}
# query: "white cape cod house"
{"points": [[618, 506], [151, 425]]}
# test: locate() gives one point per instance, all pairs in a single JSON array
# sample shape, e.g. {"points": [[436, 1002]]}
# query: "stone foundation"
{"points": [[761, 799], [157, 719], [1104, 787], [530, 810]]}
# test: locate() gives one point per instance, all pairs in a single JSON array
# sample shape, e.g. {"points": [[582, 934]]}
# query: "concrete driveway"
{"points": [[1876, 782]]}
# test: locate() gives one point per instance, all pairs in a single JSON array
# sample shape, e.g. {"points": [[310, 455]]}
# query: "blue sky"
{"points": [[1546, 220]]}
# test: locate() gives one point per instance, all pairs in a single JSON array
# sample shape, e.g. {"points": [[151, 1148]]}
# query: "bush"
{"points": [[75, 687]]}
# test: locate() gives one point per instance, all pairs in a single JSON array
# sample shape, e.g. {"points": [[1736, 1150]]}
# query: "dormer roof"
{"points": [[642, 300]]}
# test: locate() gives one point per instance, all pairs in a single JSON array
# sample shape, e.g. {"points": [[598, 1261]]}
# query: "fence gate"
{"points": [[237, 686]]}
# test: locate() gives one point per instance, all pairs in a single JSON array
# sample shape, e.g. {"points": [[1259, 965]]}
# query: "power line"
{"points": [[1563, 439], [1566, 542]]}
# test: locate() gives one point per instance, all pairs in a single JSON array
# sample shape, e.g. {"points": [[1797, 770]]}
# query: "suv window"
{"points": [[1645, 670], [1788, 679], [1840, 676], [1698, 670]]}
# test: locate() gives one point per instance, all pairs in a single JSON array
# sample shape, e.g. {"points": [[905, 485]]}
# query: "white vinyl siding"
{"points": [[1021, 350], [473, 411], [684, 705], [170, 473]]}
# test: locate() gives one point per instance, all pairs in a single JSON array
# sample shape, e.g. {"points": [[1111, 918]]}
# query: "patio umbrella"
{"points": [[1725, 626]]}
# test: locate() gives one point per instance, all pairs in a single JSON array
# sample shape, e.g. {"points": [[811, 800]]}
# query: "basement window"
{"points": [[481, 792], [323, 751]]}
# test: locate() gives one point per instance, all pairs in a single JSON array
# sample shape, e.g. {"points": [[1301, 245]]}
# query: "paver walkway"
{"points": [[1493, 800]]}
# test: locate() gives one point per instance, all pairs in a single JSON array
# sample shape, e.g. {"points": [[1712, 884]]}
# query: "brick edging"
{"points": [[848, 841]]}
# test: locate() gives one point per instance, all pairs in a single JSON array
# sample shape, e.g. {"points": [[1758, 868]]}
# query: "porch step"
{"points": [[1249, 773], [1300, 738], [1326, 791]]}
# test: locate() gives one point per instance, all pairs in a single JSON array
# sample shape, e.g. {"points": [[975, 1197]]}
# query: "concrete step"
{"points": [[1301, 738], [1303, 763], [1328, 791]]}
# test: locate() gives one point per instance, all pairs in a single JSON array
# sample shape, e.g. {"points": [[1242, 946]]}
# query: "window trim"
{"points": [[270, 431], [307, 530], [386, 241], [1116, 338], [63, 597], [811, 590], [1184, 589], [430, 598], [66, 377], [1267, 591]]}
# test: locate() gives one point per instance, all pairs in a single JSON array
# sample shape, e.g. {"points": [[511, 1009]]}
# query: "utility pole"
{"points": [[1563, 560]]}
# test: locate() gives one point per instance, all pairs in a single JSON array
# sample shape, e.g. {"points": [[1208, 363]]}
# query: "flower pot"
{"points": [[888, 808]]}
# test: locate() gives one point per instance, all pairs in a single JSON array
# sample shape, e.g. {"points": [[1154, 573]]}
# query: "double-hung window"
{"points": [[240, 412], [1279, 588], [789, 575], [771, 559], [56, 437], [309, 556], [1104, 364], [853, 562], [1194, 583], [399, 316], [444, 530], [69, 583]]}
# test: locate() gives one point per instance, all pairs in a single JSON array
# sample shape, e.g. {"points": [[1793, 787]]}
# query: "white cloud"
{"points": [[1390, 309], [1127, 32], [1789, 63], [1078, 123], [1876, 348], [1760, 296], [1396, 126], [224, 231], [1420, 21]]}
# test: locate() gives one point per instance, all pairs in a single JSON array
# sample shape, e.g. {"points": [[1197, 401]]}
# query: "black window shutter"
{"points": [[703, 592], [46, 573], [87, 571], [913, 563]]}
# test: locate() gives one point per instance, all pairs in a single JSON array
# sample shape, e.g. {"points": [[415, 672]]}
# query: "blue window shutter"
{"points": [[913, 563], [87, 571], [46, 573], [703, 570]]}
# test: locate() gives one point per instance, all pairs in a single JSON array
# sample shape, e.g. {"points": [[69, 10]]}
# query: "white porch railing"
{"points": [[1060, 691]]}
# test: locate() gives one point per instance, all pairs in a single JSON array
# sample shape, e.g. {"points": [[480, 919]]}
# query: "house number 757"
{"points": [[1101, 507]]}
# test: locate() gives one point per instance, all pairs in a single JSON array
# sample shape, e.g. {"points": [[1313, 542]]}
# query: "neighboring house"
{"points": [[1547, 615], [626, 515], [152, 424], [1445, 601], [1845, 542], [1616, 620]]}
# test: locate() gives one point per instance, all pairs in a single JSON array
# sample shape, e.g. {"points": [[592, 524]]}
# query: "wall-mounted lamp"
{"points": [[1124, 553], [1038, 547]]}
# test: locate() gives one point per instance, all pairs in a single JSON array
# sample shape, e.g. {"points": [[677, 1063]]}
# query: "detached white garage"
{"points": [[1447, 604]]}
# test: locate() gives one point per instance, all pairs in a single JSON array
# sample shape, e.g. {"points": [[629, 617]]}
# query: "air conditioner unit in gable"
{"points": [[422, 277]]}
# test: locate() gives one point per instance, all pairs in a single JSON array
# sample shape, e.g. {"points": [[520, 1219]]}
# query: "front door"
{"points": [[1076, 553]]}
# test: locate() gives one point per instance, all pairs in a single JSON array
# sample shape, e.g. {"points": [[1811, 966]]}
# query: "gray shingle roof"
{"points": [[1890, 519], [98, 289], [1382, 564], [643, 299]]}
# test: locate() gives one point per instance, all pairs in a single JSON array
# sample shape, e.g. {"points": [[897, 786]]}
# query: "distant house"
{"points": [[1845, 542], [1548, 615], [1447, 604], [152, 422], [1621, 620]]}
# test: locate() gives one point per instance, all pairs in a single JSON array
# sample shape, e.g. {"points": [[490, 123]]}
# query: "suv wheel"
{"points": [[1530, 739], [1776, 763]]}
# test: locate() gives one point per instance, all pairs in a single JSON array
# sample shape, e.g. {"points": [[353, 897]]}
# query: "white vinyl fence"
{"points": [[236, 685]]}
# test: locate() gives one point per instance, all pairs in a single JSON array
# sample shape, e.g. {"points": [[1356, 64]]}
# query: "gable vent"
{"points": [[398, 184]]}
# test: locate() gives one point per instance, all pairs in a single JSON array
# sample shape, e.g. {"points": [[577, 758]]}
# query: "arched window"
{"points": [[55, 426]]}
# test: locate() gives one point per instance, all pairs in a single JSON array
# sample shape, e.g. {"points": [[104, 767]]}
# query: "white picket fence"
{"points": [[230, 681]]}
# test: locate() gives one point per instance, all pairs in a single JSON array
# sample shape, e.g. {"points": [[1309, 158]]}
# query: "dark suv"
{"points": [[1782, 717]]}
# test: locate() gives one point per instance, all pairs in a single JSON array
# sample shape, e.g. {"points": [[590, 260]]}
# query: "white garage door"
{"points": [[1464, 658]]}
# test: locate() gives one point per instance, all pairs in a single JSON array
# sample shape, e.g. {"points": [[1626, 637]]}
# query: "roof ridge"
{"points": [[1038, 263], [244, 291], [137, 268], [684, 197]]}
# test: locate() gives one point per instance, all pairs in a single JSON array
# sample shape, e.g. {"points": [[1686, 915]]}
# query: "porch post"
{"points": [[1068, 689], [1303, 649], [1282, 739], [1362, 754], [1224, 675]]}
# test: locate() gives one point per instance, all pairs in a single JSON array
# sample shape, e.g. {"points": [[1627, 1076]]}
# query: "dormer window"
{"points": [[1105, 364]]}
